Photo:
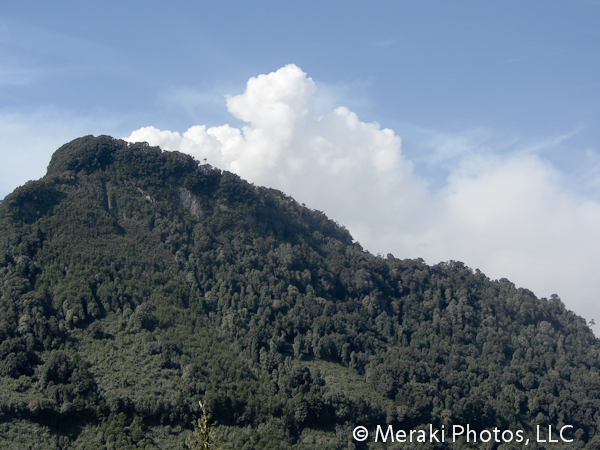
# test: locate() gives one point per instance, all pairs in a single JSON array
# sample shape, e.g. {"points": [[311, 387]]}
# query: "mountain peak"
{"points": [[135, 283], [87, 153]]}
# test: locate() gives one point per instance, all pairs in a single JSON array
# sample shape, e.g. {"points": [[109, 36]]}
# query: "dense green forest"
{"points": [[135, 283]]}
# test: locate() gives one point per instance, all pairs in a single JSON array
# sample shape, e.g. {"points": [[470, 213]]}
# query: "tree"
{"points": [[203, 436]]}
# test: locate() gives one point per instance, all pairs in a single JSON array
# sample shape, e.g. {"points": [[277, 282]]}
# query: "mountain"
{"points": [[135, 283]]}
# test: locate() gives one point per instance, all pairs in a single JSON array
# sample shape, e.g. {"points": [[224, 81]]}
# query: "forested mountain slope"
{"points": [[135, 282]]}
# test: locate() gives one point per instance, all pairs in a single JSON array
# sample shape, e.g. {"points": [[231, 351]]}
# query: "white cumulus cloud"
{"points": [[508, 214]]}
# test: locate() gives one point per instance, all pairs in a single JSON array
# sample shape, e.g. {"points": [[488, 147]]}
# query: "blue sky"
{"points": [[493, 108]]}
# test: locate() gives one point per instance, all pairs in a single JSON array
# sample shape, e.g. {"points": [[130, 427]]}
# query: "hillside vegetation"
{"points": [[136, 282]]}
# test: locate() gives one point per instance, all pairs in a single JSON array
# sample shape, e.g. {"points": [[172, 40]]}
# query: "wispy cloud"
{"points": [[18, 76], [30, 53], [550, 142], [190, 98], [384, 43]]}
